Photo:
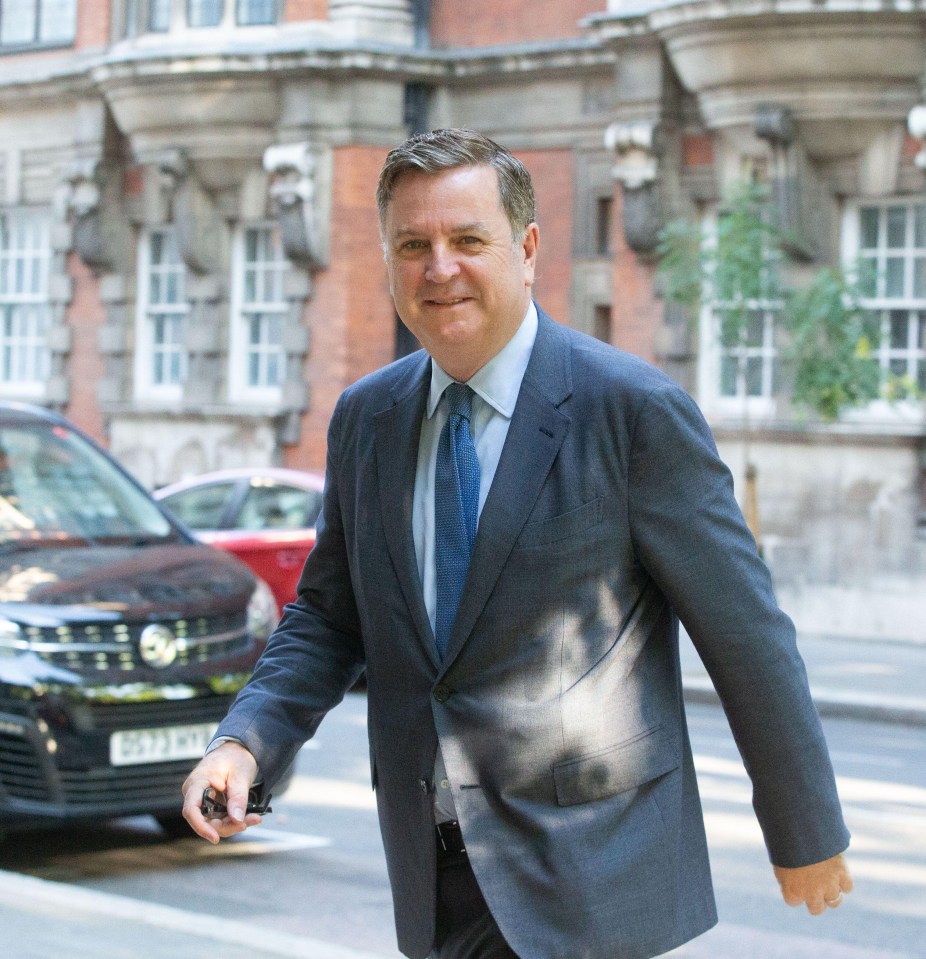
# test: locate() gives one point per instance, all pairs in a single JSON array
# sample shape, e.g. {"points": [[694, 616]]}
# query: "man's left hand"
{"points": [[819, 886]]}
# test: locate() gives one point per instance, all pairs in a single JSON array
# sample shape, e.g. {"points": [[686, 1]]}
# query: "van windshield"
{"points": [[55, 488]]}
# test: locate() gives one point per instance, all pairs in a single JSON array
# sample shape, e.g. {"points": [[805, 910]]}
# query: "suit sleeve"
{"points": [[690, 535], [314, 655]]}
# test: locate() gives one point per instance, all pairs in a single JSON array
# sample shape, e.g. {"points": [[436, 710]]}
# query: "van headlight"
{"points": [[262, 612], [12, 642]]}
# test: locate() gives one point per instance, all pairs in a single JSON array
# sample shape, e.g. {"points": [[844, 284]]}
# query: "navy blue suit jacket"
{"points": [[559, 704]]}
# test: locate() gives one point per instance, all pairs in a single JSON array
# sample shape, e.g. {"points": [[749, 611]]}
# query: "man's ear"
{"points": [[529, 246]]}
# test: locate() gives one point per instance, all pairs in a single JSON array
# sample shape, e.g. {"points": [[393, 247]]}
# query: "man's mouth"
{"points": [[449, 302]]}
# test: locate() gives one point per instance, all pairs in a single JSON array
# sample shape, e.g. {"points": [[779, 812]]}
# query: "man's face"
{"points": [[459, 281]]}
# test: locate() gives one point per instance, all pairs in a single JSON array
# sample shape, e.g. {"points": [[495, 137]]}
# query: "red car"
{"points": [[264, 516]]}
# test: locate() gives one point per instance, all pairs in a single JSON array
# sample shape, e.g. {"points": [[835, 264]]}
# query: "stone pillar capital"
{"points": [[636, 144]]}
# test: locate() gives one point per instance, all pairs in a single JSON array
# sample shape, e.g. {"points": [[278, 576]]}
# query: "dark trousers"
{"points": [[465, 927]]}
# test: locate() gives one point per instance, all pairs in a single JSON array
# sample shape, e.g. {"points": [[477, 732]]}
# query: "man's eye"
{"points": [[412, 245], [470, 240]]}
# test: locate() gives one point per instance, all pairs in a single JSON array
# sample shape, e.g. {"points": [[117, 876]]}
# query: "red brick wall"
{"points": [[487, 22], [85, 315], [93, 23], [305, 10], [552, 172], [350, 315], [636, 313]]}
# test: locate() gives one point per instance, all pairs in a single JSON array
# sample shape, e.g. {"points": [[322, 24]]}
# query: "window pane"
{"points": [[919, 276], [869, 216], [201, 508], [754, 376], [204, 13], [24, 254], [58, 21], [159, 15], [868, 276], [893, 277], [755, 329], [729, 368], [167, 310], [18, 21], [253, 12], [896, 227], [919, 225], [899, 330]]}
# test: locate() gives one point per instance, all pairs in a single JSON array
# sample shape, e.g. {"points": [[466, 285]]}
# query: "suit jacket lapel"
{"points": [[538, 428], [397, 434]]}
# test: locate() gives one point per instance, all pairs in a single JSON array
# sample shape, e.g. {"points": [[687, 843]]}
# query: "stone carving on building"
{"points": [[297, 199], [637, 170], [99, 230], [790, 177], [200, 227]]}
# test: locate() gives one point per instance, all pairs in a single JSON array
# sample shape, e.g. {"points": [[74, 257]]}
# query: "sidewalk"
{"points": [[878, 681]]}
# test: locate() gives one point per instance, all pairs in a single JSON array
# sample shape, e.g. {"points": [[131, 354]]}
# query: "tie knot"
{"points": [[459, 400]]}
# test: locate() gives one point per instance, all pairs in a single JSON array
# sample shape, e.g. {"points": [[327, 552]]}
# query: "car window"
{"points": [[201, 507], [270, 505], [56, 486]]}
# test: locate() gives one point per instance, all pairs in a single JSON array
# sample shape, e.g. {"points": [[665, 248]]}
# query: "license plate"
{"points": [[135, 746]]}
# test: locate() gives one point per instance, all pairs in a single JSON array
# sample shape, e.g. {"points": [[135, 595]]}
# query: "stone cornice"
{"points": [[633, 17], [423, 65]]}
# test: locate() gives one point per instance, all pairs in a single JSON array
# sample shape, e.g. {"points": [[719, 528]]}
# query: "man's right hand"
{"points": [[228, 769]]}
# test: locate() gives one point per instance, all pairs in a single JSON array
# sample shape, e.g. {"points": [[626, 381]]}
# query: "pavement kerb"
{"points": [[15, 889], [840, 704]]}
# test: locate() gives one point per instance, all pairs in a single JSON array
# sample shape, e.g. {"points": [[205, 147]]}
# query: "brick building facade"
{"points": [[190, 266]]}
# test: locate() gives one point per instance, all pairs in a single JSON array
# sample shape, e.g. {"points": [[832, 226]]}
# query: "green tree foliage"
{"points": [[831, 346], [737, 272]]}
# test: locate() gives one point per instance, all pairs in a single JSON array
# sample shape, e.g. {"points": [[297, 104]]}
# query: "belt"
{"points": [[449, 839]]}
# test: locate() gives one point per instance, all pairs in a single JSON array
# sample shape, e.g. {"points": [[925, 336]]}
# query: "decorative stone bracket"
{"points": [[790, 176], [200, 227], [637, 169], [99, 231], [298, 198]]}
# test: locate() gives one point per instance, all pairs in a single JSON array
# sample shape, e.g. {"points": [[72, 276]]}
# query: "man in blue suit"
{"points": [[515, 519]]}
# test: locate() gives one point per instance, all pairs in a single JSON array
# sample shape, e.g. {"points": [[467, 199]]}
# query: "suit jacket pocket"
{"points": [[563, 526], [616, 769]]}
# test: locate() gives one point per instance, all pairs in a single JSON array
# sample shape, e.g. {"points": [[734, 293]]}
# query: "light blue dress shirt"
{"points": [[496, 387]]}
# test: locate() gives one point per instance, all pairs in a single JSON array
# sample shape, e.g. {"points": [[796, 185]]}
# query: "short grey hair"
{"points": [[442, 150]]}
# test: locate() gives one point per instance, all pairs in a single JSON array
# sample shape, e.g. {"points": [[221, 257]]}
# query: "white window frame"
{"points": [[711, 354], [911, 354], [246, 354], [147, 385], [47, 19], [25, 360], [176, 15]]}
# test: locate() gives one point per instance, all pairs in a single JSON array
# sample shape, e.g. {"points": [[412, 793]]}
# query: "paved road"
{"points": [[312, 883]]}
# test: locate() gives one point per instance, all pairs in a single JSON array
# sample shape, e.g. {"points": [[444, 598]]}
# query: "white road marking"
{"points": [[16, 889]]}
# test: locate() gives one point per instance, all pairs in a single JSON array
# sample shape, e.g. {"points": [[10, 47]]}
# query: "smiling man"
{"points": [[515, 520]]}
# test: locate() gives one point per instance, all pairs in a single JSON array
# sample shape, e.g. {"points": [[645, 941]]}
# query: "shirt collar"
{"points": [[499, 381]]}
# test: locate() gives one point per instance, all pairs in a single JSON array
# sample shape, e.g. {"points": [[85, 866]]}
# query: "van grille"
{"points": [[101, 647], [20, 772]]}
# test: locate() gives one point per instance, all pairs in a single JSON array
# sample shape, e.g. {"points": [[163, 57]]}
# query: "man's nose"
{"points": [[442, 264]]}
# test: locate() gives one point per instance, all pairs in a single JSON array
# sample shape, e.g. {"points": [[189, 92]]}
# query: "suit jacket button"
{"points": [[442, 692]]}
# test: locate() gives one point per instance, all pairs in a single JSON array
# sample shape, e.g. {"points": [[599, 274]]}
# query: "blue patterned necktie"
{"points": [[456, 508]]}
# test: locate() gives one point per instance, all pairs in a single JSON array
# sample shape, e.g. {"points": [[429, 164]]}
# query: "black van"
{"points": [[122, 639]]}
